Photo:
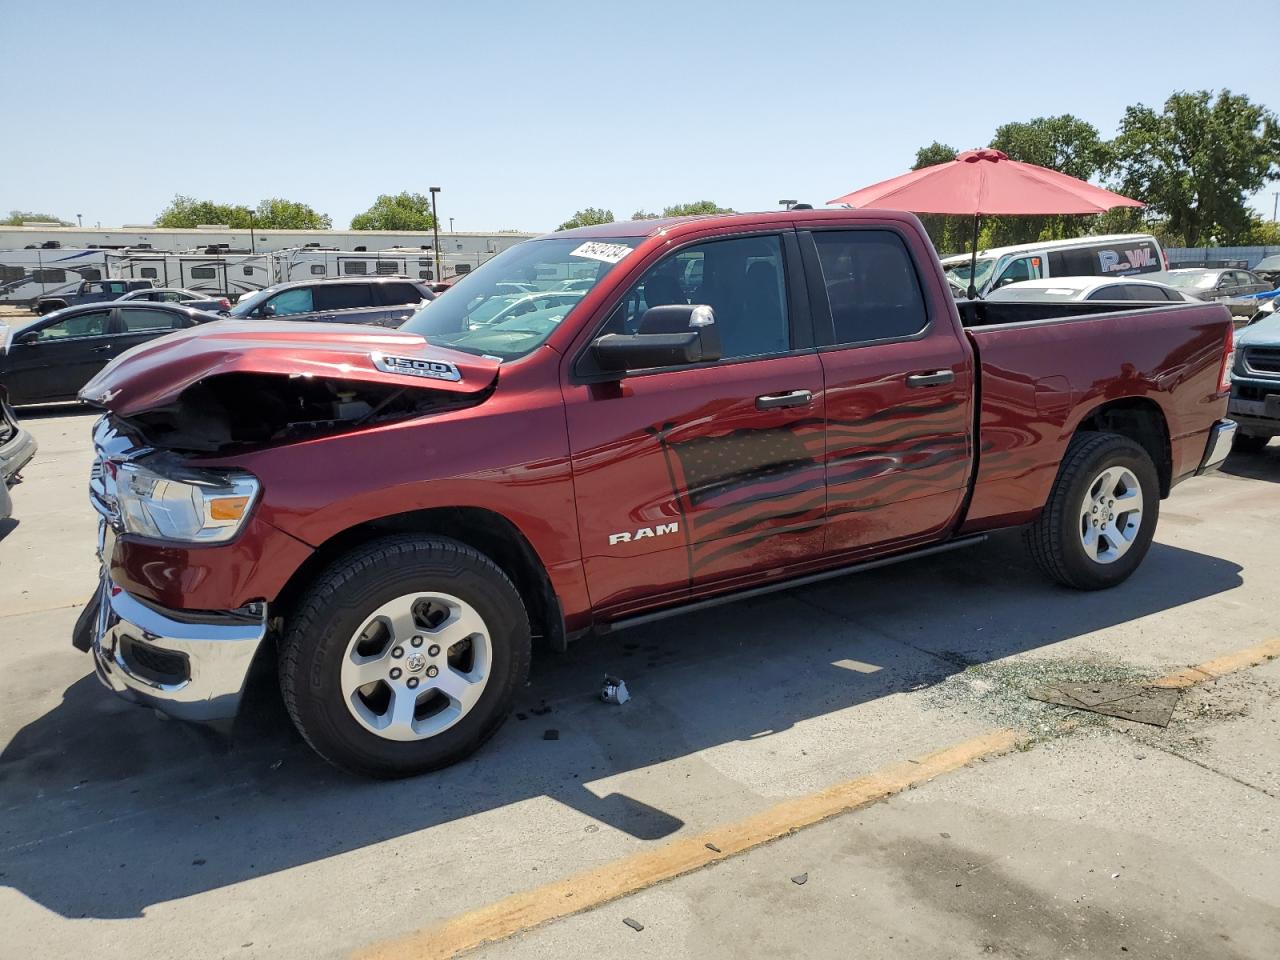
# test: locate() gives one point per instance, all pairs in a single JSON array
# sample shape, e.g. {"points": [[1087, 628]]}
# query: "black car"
{"points": [[383, 301], [51, 357]]}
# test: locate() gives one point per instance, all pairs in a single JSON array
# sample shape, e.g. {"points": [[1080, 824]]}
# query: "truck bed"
{"points": [[1045, 368]]}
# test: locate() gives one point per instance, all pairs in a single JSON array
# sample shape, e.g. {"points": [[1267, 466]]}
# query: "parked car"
{"points": [[50, 358], [189, 298], [1213, 283], [1255, 383], [1268, 269], [17, 447], [394, 514], [383, 301], [1116, 255], [1089, 289], [90, 291]]}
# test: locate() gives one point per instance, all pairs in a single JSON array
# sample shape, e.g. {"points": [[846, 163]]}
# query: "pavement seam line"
{"points": [[630, 874]]}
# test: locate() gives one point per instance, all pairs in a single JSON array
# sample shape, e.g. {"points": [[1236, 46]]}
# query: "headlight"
{"points": [[192, 506]]}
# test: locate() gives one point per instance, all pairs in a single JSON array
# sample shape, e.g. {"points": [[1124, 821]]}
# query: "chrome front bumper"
{"points": [[192, 666], [1221, 434]]}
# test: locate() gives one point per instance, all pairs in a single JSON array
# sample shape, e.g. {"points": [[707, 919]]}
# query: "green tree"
{"points": [[281, 214], [645, 215], [949, 234], [17, 217], [1196, 161], [404, 211], [587, 218], [187, 212], [1064, 143], [695, 208]]}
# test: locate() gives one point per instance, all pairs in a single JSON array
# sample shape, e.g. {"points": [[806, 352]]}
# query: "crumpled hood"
{"points": [[156, 373]]}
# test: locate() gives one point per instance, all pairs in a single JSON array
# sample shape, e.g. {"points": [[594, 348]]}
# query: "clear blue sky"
{"points": [[525, 112]]}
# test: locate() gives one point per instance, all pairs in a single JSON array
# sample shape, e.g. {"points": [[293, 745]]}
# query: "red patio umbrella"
{"points": [[986, 182]]}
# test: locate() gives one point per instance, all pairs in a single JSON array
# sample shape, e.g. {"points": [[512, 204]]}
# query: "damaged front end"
{"points": [[188, 559], [235, 385]]}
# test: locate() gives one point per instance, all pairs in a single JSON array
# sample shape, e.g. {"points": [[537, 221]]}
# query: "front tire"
{"points": [[404, 656], [1101, 514]]}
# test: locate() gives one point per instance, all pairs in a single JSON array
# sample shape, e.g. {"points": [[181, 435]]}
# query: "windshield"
{"points": [[509, 306], [1192, 278], [246, 305], [959, 272], [1033, 292]]}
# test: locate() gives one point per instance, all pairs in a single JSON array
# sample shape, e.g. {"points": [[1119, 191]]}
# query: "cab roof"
{"points": [[651, 228]]}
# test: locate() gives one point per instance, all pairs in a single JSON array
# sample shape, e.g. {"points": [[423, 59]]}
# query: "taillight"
{"points": [[1228, 361], [224, 303]]}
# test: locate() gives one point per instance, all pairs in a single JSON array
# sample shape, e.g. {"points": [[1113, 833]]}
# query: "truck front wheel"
{"points": [[404, 656], [1101, 514]]}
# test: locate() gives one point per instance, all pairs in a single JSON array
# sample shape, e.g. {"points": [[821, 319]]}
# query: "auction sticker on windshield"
{"points": [[607, 252]]}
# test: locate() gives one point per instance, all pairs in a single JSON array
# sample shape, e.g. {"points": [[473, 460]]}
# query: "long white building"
{"points": [[456, 246]]}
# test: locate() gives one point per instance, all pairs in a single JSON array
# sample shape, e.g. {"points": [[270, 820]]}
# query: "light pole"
{"points": [[451, 224], [1275, 204], [787, 204], [80, 219], [435, 227]]}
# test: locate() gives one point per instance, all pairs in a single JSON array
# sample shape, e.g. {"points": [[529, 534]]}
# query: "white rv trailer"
{"points": [[26, 275], [305, 263], [222, 275]]}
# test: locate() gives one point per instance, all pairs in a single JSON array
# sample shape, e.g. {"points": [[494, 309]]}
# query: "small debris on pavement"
{"points": [[712, 847], [521, 716], [1139, 703], [635, 925], [277, 765], [551, 735], [614, 691], [945, 836], [199, 862], [800, 879]]}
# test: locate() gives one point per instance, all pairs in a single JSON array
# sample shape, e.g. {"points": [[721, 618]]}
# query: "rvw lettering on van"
{"points": [[644, 533], [1110, 261], [417, 367]]}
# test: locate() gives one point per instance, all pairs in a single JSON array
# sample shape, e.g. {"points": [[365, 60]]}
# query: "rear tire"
{"points": [[1249, 443], [359, 619], [1101, 514]]}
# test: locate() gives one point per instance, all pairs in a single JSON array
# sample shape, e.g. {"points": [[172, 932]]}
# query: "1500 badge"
{"points": [[417, 367]]}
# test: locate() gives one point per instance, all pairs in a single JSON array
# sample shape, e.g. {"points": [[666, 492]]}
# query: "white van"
{"points": [[1117, 255]]}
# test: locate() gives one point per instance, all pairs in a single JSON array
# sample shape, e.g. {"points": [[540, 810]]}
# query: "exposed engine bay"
{"points": [[233, 411]]}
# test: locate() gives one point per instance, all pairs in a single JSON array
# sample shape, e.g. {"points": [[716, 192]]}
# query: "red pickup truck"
{"points": [[716, 407]]}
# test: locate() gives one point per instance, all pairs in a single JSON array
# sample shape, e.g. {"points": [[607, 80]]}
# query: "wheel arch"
{"points": [[1143, 421], [485, 530]]}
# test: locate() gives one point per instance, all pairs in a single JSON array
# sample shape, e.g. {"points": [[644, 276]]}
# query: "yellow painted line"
{"points": [[1221, 666], [561, 898], [621, 878]]}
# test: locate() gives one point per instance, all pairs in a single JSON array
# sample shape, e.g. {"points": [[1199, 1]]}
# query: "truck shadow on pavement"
{"points": [[1263, 465], [108, 811]]}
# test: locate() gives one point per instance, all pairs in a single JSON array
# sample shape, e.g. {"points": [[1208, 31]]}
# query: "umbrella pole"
{"points": [[973, 260]]}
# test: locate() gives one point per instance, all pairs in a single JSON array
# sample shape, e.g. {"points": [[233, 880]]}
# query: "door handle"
{"points": [[793, 398], [937, 378], [102, 349]]}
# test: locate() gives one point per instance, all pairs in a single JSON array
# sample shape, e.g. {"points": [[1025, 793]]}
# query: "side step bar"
{"points": [[732, 597]]}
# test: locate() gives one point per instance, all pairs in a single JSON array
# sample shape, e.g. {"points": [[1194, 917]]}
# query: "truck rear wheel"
{"points": [[404, 656], [1101, 514]]}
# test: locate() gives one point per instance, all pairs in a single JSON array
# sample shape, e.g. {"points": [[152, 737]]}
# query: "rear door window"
{"points": [[871, 285], [143, 320], [395, 294], [342, 296]]}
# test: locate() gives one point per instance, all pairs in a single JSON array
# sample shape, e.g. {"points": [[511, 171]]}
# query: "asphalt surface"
{"points": [[125, 835]]}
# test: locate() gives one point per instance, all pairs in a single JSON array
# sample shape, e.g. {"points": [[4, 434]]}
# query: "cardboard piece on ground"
{"points": [[1140, 703]]}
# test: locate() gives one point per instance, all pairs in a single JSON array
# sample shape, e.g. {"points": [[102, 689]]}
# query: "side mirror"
{"points": [[671, 335], [267, 310], [28, 337]]}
